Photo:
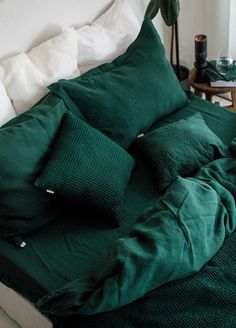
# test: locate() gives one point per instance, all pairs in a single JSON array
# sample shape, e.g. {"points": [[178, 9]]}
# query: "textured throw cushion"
{"points": [[180, 149], [127, 96], [108, 36], [87, 166], [7, 111], [24, 143]]}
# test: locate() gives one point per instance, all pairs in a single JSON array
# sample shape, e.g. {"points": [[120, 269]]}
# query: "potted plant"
{"points": [[170, 12]]}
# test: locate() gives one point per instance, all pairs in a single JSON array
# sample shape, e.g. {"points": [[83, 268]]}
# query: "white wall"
{"points": [[192, 21], [215, 18], [232, 28], [26, 23], [218, 12]]}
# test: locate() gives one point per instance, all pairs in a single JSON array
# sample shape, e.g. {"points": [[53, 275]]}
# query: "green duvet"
{"points": [[173, 239]]}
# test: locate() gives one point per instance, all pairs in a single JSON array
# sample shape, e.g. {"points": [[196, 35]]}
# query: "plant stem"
{"points": [[177, 50]]}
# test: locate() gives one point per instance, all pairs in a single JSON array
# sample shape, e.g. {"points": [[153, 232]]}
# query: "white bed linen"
{"points": [[21, 310]]}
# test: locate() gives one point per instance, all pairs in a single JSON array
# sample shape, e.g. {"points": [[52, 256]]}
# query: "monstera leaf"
{"points": [[169, 10]]}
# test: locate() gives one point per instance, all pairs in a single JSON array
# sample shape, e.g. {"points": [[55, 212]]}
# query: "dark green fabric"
{"points": [[232, 146], [214, 115], [180, 149], [173, 239], [206, 299], [127, 96], [72, 246], [24, 143], [214, 74], [89, 167]]}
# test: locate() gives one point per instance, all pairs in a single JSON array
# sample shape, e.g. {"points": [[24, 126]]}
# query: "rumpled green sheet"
{"points": [[172, 240]]}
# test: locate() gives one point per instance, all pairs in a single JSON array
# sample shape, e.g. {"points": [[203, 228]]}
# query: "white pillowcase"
{"points": [[24, 84], [27, 75], [7, 111], [56, 58], [108, 36]]}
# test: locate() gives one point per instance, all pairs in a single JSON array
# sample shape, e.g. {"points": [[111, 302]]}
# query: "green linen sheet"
{"points": [[72, 247], [173, 238]]}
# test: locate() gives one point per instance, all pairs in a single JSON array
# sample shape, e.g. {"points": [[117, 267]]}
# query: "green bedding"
{"points": [[71, 248], [173, 238]]}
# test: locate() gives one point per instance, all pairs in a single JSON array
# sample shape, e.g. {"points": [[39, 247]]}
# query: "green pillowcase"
{"points": [[125, 97], [88, 167], [24, 143], [180, 149]]}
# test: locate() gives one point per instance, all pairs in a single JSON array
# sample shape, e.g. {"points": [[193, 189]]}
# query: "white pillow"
{"points": [[56, 58], [24, 84], [27, 75], [108, 36], [7, 111]]}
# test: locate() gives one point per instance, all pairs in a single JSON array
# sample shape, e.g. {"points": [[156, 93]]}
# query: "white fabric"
{"points": [[27, 75], [56, 58], [108, 36], [24, 84], [21, 310], [7, 111]]}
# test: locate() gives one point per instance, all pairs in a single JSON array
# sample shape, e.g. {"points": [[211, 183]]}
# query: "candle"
{"points": [[200, 48], [200, 57]]}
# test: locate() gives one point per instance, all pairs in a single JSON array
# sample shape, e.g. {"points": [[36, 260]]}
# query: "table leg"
{"points": [[198, 93], [208, 97], [233, 96]]}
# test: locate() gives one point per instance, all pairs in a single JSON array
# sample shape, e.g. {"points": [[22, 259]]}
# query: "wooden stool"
{"points": [[200, 88]]}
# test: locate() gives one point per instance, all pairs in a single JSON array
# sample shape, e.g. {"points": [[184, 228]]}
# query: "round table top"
{"points": [[205, 87]]}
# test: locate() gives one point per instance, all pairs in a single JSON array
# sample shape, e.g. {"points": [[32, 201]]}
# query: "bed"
{"points": [[117, 187]]}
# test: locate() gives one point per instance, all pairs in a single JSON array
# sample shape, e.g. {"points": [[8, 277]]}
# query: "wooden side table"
{"points": [[200, 88]]}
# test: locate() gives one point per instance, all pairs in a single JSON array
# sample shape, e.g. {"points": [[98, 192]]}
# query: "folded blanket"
{"points": [[172, 240]]}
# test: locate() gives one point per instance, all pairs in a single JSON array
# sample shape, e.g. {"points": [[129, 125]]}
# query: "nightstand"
{"points": [[200, 88]]}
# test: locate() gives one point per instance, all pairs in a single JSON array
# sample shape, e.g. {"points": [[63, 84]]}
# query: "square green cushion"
{"points": [[24, 143], [180, 149], [125, 97], [88, 167]]}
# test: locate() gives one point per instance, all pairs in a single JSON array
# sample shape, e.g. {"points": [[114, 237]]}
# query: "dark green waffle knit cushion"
{"points": [[89, 167], [24, 144], [180, 149], [125, 97]]}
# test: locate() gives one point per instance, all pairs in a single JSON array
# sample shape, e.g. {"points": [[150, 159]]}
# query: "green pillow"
{"points": [[180, 149], [125, 97], [24, 143], [88, 167]]}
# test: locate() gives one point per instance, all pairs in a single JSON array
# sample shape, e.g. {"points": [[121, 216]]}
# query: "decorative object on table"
{"points": [[217, 79], [170, 11], [210, 91], [200, 57], [224, 61]]}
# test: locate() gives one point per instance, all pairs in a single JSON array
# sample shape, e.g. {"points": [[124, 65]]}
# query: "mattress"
{"points": [[73, 245]]}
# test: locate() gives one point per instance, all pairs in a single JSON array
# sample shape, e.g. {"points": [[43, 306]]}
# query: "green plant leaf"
{"points": [[152, 8], [169, 11]]}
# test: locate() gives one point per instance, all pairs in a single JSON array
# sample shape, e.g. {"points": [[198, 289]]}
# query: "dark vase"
{"points": [[183, 77]]}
